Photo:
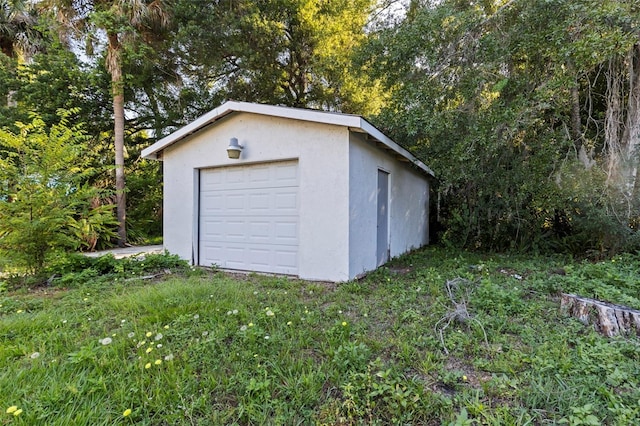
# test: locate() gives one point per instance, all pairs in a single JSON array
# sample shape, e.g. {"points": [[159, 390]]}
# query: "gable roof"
{"points": [[354, 122]]}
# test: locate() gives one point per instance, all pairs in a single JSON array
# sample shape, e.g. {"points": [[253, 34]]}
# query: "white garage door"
{"points": [[249, 217]]}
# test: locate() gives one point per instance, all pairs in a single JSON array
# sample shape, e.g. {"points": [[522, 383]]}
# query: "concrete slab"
{"points": [[133, 251]]}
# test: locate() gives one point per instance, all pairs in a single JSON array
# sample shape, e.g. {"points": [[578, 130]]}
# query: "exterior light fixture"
{"points": [[234, 149]]}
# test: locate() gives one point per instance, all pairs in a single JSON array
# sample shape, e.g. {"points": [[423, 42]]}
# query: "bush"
{"points": [[44, 206]]}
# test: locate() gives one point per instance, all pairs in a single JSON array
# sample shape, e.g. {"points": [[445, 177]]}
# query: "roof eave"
{"points": [[353, 122], [392, 146], [151, 152]]}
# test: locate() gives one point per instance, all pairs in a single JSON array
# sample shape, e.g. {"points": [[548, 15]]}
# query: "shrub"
{"points": [[44, 207]]}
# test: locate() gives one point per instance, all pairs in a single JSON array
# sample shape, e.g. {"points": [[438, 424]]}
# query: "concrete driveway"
{"points": [[133, 251]]}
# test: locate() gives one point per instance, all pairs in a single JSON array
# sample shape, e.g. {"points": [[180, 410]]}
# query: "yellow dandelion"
{"points": [[158, 362], [12, 409], [149, 334], [19, 311], [289, 323], [127, 412], [344, 323], [250, 324], [149, 350], [147, 365], [166, 327], [17, 412], [464, 378]]}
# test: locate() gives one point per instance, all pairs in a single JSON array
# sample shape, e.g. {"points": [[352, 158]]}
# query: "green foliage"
{"points": [[71, 270], [581, 416], [387, 397], [274, 350], [483, 93], [289, 52], [8, 84], [44, 204], [144, 194]]}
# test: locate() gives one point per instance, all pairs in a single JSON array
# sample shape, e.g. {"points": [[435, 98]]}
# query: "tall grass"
{"points": [[203, 347]]}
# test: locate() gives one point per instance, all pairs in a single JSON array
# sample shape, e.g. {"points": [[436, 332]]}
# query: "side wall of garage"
{"points": [[322, 154], [408, 224]]}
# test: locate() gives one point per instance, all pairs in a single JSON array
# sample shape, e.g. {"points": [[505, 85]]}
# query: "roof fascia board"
{"points": [[378, 135], [322, 117], [151, 152], [234, 106], [353, 122]]}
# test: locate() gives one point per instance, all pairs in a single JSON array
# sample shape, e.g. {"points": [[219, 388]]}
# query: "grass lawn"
{"points": [[206, 348]]}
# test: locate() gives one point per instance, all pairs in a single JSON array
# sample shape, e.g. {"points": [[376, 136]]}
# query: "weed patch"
{"points": [[99, 345]]}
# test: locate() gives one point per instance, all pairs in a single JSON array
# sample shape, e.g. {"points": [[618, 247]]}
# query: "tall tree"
{"points": [[124, 22], [20, 39], [18, 30], [288, 52], [523, 109]]}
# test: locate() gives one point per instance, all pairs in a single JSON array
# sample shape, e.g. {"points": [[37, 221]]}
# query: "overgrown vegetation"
{"points": [[203, 347], [45, 203], [529, 114]]}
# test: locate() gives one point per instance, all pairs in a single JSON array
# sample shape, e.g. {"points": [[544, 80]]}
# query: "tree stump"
{"points": [[607, 318]]}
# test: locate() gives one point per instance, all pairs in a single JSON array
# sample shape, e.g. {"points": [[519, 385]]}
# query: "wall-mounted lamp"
{"points": [[234, 149]]}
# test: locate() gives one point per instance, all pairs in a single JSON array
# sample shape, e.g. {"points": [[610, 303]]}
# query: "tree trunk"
{"points": [[114, 65], [576, 123], [622, 126], [632, 129], [613, 123], [607, 318]]}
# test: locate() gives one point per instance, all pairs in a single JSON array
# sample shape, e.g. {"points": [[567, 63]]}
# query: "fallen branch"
{"points": [[458, 312], [149, 277]]}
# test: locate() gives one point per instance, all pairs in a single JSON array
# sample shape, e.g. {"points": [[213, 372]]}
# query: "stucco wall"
{"points": [[322, 153], [408, 205]]}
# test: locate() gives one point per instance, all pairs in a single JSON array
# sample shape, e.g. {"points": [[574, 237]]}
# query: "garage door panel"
{"points": [[286, 260], [260, 231], [210, 251], [263, 231], [287, 174], [211, 203], [252, 257], [234, 203], [210, 181], [285, 233], [212, 230], [234, 175], [258, 202], [252, 203], [235, 254], [259, 174], [259, 258], [286, 202], [249, 217], [236, 230]]}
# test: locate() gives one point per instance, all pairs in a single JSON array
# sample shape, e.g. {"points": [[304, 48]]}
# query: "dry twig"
{"points": [[458, 290]]}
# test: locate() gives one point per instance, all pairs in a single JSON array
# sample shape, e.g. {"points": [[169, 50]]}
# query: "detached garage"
{"points": [[263, 188]]}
